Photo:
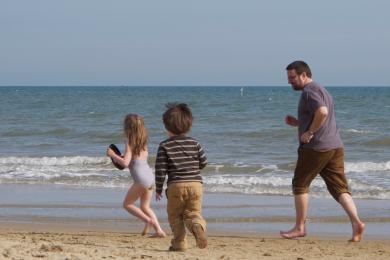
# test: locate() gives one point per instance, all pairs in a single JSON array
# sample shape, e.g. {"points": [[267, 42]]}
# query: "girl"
{"points": [[135, 157]]}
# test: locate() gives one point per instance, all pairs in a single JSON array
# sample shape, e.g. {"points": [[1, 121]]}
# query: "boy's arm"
{"points": [[160, 170], [202, 157]]}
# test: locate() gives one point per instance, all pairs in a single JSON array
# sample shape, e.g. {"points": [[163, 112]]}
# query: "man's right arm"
{"points": [[319, 118]]}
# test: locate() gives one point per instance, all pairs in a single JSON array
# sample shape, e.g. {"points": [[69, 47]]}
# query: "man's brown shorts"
{"points": [[329, 164]]}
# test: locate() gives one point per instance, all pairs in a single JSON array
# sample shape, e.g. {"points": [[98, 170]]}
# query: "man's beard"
{"points": [[296, 87]]}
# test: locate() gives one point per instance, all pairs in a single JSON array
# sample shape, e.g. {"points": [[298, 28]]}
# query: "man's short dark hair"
{"points": [[177, 118], [300, 66]]}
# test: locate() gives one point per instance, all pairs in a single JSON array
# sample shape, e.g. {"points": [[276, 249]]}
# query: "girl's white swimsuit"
{"points": [[142, 173]]}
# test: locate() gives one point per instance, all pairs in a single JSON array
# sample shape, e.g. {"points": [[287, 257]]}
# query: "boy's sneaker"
{"points": [[200, 236], [171, 248]]}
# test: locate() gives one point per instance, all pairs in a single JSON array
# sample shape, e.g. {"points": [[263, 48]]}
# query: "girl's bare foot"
{"points": [[145, 230], [293, 233], [160, 234], [158, 231], [357, 232], [148, 225]]}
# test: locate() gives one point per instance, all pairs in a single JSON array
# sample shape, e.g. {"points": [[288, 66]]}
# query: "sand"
{"points": [[40, 222], [24, 242]]}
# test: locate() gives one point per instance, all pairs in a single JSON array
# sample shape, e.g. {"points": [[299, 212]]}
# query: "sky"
{"points": [[192, 43]]}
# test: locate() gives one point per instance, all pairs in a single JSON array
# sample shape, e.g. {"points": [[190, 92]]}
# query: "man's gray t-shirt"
{"points": [[327, 137]]}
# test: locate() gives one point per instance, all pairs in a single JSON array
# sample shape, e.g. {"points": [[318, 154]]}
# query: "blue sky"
{"points": [[196, 43]]}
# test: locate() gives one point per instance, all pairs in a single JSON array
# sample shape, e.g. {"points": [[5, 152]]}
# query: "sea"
{"points": [[55, 138]]}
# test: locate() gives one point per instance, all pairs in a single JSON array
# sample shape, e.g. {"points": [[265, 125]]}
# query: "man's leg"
{"points": [[357, 225], [337, 184], [301, 206], [309, 164]]}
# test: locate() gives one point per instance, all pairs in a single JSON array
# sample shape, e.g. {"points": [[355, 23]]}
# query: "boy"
{"points": [[181, 158]]}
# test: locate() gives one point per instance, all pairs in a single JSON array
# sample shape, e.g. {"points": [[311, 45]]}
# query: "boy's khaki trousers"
{"points": [[184, 210]]}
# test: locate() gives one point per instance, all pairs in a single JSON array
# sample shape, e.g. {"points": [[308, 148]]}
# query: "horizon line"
{"points": [[137, 86]]}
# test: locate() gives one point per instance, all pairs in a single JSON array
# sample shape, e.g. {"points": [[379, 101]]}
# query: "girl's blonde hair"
{"points": [[136, 133]]}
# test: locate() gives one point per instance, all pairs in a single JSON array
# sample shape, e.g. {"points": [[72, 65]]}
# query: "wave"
{"points": [[270, 185], [383, 142], [29, 133], [267, 179], [357, 131], [212, 168], [59, 133], [367, 166], [54, 161], [238, 168]]}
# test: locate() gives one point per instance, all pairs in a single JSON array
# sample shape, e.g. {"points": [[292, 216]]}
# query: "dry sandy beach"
{"points": [[48, 241], [39, 222]]}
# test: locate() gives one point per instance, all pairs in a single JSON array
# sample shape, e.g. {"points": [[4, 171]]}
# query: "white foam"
{"points": [[357, 131], [49, 169], [271, 167], [367, 166], [247, 180], [267, 179], [54, 161], [277, 185], [217, 167]]}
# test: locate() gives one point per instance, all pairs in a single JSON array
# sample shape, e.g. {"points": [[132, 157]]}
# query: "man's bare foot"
{"points": [[293, 233], [357, 232]]}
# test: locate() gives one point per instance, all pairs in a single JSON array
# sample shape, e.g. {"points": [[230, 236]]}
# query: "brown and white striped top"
{"points": [[181, 158]]}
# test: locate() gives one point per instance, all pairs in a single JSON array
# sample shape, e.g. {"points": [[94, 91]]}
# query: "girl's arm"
{"points": [[125, 161]]}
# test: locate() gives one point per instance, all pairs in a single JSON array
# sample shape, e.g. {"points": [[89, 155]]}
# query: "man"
{"points": [[320, 150]]}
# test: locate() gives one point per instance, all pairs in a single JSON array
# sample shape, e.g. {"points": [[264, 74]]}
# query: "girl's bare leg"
{"points": [[135, 192], [146, 198]]}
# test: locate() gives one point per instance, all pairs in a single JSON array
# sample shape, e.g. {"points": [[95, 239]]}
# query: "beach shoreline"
{"points": [[76, 240], [133, 226], [70, 222], [224, 213]]}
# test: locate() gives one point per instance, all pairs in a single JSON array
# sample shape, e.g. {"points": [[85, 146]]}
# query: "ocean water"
{"points": [[56, 136]]}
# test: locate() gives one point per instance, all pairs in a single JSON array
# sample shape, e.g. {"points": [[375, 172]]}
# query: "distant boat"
{"points": [[242, 91]]}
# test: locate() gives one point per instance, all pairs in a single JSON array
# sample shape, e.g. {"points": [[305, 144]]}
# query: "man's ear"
{"points": [[303, 76]]}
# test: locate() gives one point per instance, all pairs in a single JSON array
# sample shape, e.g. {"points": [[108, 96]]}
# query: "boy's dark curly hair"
{"points": [[177, 118]]}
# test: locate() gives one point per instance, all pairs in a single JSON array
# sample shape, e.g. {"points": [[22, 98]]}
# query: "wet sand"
{"points": [[40, 222], [76, 241]]}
